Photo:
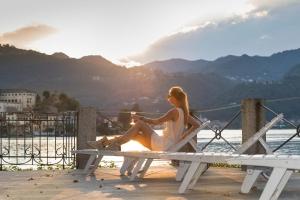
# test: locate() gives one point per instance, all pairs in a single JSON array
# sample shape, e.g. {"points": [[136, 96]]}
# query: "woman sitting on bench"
{"points": [[176, 120]]}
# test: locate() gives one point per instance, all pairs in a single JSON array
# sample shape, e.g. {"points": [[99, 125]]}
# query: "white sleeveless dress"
{"points": [[171, 134]]}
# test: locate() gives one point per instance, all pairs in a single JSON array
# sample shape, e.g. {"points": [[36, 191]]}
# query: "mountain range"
{"points": [[94, 80], [243, 68]]}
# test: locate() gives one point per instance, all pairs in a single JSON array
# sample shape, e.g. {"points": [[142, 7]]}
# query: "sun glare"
{"points": [[133, 146]]}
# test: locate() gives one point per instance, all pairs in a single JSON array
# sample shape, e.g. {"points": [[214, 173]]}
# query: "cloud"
{"points": [[26, 35], [273, 4], [187, 29], [262, 13], [263, 30], [265, 37]]}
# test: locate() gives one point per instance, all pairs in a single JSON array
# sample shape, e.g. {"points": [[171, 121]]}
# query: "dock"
{"points": [[159, 183]]}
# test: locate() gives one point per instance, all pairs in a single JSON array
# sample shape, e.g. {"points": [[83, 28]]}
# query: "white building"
{"points": [[25, 98], [10, 107]]}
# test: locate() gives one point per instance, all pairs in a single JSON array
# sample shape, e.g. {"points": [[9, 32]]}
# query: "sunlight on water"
{"points": [[234, 137]]}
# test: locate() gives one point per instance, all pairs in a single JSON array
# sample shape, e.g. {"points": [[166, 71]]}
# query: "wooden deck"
{"points": [[217, 183]]}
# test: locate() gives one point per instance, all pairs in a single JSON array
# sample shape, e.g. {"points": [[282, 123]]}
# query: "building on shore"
{"points": [[10, 107], [21, 99]]}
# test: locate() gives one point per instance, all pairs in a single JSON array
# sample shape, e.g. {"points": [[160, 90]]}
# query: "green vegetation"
{"points": [[55, 102], [224, 165], [124, 116], [107, 164], [108, 126]]}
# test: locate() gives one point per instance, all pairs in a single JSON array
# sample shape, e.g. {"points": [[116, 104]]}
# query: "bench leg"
{"points": [[95, 164], [183, 167], [125, 165], [89, 163], [131, 166], [250, 179], [193, 143], [272, 184], [137, 168], [202, 168], [189, 176], [282, 184], [146, 167]]}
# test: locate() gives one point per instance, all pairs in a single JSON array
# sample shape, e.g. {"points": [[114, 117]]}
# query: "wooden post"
{"points": [[86, 132], [253, 119]]}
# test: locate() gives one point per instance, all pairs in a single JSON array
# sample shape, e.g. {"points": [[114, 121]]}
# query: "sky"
{"points": [[134, 32]]}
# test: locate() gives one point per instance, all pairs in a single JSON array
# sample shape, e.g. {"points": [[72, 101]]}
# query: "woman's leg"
{"points": [[140, 132], [144, 139]]}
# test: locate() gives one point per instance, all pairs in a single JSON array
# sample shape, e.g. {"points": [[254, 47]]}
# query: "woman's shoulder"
{"points": [[175, 112], [179, 109]]}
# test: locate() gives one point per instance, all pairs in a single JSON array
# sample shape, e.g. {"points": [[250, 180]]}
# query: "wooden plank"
{"points": [[188, 177], [89, 163], [188, 138], [259, 134], [265, 146], [282, 184], [201, 169], [203, 157], [131, 166], [249, 180], [95, 164], [146, 167], [182, 169], [137, 168], [125, 165], [265, 161], [194, 145], [272, 183]]}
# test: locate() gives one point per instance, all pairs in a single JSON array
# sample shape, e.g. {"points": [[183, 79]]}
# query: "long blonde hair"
{"points": [[178, 93]]}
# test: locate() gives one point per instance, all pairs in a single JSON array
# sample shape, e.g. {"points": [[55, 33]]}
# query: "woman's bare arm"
{"points": [[170, 115], [194, 125]]}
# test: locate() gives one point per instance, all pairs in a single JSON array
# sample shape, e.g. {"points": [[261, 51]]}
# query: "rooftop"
{"points": [[16, 91]]}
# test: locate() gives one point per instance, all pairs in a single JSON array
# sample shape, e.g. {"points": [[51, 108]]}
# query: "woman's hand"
{"points": [[136, 117]]}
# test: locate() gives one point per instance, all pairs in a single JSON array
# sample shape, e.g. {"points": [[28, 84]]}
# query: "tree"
{"points": [[124, 118], [66, 103], [53, 101], [63, 97], [38, 99], [46, 94]]}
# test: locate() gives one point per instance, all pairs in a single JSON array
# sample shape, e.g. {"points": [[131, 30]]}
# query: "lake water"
{"points": [[234, 137]]}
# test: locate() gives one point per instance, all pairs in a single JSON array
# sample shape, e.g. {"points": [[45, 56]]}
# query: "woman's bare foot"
{"points": [[113, 147], [115, 143], [99, 144]]}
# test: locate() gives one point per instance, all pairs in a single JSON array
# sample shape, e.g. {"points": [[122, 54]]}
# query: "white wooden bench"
{"points": [[133, 161], [199, 161], [283, 167]]}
